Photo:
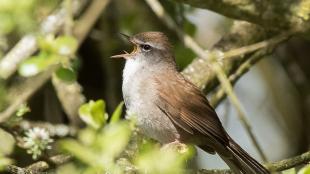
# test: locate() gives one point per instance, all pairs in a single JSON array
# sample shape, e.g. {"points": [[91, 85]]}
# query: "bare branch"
{"points": [[57, 160], [40, 166], [270, 14], [272, 167], [28, 44], [266, 47], [29, 87], [37, 81]]}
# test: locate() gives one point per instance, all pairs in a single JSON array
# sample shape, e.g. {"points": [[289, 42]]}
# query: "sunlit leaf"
{"points": [[32, 66], [4, 162], [117, 113], [289, 171], [6, 24], [81, 152], [37, 64], [305, 170], [46, 43], [65, 45], [67, 168], [153, 160], [87, 136], [93, 113], [66, 74], [22, 110], [7, 142], [114, 138]]}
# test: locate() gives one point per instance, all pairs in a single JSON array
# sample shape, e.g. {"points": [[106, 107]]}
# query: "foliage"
{"points": [[101, 147], [92, 113], [54, 51], [106, 143], [23, 109], [304, 170], [7, 146]]}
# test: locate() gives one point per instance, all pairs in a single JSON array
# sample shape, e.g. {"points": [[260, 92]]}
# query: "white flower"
{"points": [[36, 141]]}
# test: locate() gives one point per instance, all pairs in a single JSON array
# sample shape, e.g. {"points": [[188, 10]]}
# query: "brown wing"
{"points": [[187, 107]]}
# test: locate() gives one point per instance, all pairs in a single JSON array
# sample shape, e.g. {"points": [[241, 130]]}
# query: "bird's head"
{"points": [[148, 46]]}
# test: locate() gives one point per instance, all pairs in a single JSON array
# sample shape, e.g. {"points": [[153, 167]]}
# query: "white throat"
{"points": [[132, 67]]}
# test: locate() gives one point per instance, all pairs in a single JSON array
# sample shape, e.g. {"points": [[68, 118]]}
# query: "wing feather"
{"points": [[187, 107]]}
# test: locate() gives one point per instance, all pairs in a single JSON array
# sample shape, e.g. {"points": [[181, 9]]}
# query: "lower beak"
{"points": [[126, 55]]}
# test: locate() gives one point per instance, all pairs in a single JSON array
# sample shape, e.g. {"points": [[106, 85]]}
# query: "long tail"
{"points": [[240, 161]]}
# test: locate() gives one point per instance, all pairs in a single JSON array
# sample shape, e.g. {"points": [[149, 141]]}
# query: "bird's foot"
{"points": [[177, 146]]}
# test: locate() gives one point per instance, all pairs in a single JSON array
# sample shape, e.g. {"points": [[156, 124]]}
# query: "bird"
{"points": [[169, 108]]}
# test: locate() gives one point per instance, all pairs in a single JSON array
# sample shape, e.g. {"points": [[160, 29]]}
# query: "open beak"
{"points": [[126, 55]]}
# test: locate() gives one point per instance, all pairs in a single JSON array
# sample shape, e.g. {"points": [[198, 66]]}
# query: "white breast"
{"points": [[138, 91]]}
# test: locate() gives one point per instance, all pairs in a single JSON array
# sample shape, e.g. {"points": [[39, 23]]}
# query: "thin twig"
{"points": [[266, 47], [87, 21], [257, 46], [69, 18], [219, 95], [30, 86], [226, 85], [190, 43]]}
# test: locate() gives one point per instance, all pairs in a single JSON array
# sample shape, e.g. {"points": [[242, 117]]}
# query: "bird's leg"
{"points": [[176, 145]]}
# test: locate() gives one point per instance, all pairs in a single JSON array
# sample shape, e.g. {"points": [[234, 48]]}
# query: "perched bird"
{"points": [[169, 108]]}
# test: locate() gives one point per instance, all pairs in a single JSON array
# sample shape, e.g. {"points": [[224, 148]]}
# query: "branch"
{"points": [[39, 166], [70, 95], [61, 159], [269, 14], [23, 92], [266, 47], [28, 44], [31, 85], [272, 167]]}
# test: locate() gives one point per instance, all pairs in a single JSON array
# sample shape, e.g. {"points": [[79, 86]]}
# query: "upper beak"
{"points": [[126, 55]]}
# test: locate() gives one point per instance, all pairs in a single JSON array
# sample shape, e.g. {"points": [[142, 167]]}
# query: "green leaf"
{"points": [[22, 110], [289, 171], [36, 64], [87, 136], [117, 113], [153, 159], [67, 168], [65, 45], [184, 55], [93, 113], [81, 152], [66, 74], [7, 142], [189, 28], [32, 66], [4, 162], [305, 170], [7, 24], [114, 139]]}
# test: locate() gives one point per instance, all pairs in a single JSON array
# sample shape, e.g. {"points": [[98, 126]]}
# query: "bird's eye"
{"points": [[145, 47]]}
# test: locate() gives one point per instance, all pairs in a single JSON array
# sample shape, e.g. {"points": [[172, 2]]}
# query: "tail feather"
{"points": [[242, 160]]}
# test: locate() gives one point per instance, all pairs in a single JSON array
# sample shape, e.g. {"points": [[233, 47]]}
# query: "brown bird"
{"points": [[169, 108]]}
